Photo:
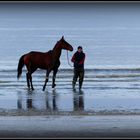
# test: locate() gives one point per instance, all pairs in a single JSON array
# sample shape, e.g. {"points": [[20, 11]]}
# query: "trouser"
{"points": [[78, 73]]}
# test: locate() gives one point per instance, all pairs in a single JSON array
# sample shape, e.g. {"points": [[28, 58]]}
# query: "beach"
{"points": [[108, 104]]}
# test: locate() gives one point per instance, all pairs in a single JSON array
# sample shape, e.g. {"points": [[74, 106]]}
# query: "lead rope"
{"points": [[68, 60]]}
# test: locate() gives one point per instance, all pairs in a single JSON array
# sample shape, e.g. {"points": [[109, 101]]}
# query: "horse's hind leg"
{"points": [[28, 82], [29, 76]]}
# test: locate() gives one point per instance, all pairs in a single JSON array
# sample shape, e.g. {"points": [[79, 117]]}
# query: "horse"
{"points": [[49, 61]]}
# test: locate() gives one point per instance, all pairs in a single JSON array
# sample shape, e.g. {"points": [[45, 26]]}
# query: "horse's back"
{"points": [[34, 53], [38, 59]]}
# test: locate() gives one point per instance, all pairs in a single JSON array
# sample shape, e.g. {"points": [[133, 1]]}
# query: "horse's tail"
{"points": [[20, 66]]}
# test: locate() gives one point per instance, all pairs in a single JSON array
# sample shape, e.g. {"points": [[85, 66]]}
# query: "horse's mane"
{"points": [[56, 45], [50, 51]]}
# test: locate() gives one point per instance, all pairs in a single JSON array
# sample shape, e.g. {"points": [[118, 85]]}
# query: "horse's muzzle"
{"points": [[71, 49]]}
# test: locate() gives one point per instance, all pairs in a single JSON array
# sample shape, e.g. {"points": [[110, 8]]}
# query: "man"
{"points": [[78, 60]]}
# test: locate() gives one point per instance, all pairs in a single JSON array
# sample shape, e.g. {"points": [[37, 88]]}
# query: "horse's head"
{"points": [[65, 45]]}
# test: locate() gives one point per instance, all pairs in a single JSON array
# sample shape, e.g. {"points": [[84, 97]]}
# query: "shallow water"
{"points": [[104, 92]]}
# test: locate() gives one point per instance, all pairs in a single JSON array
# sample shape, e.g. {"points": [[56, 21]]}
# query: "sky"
{"points": [[69, 14]]}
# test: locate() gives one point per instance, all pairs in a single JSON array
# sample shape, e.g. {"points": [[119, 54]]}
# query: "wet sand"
{"points": [[78, 126], [62, 113]]}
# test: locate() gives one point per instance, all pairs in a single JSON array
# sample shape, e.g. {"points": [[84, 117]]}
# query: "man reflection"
{"points": [[78, 101], [29, 104]]}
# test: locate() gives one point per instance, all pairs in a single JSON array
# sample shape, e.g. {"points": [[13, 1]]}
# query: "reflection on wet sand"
{"points": [[54, 101], [33, 101], [78, 101], [19, 103], [49, 101], [29, 103]]}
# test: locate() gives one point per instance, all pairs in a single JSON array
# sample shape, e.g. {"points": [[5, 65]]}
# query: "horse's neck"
{"points": [[57, 51]]}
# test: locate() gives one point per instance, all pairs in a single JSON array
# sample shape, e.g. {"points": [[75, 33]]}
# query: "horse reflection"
{"points": [[52, 105], [31, 101], [78, 101], [19, 101]]}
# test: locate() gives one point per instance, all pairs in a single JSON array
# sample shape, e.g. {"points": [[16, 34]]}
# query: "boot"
{"points": [[80, 85], [73, 85]]}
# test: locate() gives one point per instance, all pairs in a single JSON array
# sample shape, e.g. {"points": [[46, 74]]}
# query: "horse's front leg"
{"points": [[46, 80], [54, 76], [31, 82]]}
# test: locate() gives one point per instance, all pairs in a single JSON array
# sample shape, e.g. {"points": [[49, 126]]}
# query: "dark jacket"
{"points": [[78, 60]]}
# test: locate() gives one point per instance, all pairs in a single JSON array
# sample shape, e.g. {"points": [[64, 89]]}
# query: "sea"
{"points": [[110, 36]]}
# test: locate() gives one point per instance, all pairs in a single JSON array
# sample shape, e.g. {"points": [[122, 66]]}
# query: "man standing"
{"points": [[78, 60]]}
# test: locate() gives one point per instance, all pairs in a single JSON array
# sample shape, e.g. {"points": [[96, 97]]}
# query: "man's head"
{"points": [[80, 49]]}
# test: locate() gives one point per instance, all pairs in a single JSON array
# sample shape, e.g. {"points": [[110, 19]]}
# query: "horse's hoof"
{"points": [[43, 89], [53, 85], [74, 89]]}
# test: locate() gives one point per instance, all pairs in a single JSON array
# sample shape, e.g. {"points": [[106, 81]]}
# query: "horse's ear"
{"points": [[62, 37]]}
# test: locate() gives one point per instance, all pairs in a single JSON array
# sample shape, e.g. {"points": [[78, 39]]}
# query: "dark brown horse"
{"points": [[48, 61]]}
